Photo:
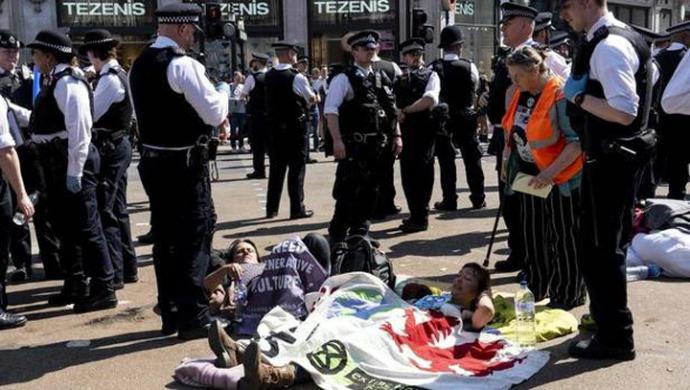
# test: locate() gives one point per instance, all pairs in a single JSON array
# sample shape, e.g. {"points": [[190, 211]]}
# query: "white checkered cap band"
{"points": [[368, 39], [64, 49], [178, 19], [106, 40], [542, 26], [518, 12]]}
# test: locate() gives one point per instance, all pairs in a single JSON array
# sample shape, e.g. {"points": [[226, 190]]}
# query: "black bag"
{"points": [[357, 254]]}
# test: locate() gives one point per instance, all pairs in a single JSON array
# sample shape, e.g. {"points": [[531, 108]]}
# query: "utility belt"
{"points": [[193, 155], [368, 139], [636, 148], [106, 140], [54, 149]]}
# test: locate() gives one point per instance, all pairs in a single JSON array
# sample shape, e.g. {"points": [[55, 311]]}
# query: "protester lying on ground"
{"points": [[470, 293], [248, 286]]}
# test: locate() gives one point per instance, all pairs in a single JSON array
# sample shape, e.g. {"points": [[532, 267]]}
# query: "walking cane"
{"points": [[493, 235]]}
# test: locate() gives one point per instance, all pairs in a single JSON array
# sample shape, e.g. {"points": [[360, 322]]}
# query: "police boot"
{"points": [[260, 376], [101, 297], [75, 289]]}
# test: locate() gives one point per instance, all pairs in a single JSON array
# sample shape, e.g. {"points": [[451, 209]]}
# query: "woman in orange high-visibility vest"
{"points": [[541, 143]]}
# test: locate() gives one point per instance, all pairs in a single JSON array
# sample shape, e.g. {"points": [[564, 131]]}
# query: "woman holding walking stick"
{"points": [[542, 150]]}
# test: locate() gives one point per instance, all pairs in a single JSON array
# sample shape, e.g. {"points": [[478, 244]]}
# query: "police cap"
{"points": [[179, 13], [52, 42], [680, 27], [368, 38], [542, 21], [412, 45], [287, 45], [98, 38], [451, 35], [9, 41], [512, 10], [261, 57], [649, 35], [558, 38]]}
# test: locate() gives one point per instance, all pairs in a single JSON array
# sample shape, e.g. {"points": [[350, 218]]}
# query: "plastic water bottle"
{"points": [[526, 331], [641, 272], [19, 218], [239, 300]]}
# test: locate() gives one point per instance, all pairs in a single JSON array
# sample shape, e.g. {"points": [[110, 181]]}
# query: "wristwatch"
{"points": [[579, 99]]}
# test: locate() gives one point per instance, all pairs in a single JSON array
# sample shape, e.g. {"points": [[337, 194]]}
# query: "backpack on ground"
{"points": [[357, 254]]}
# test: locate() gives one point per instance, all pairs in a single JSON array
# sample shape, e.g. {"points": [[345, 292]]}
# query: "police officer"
{"points": [[673, 127], [360, 110], [112, 121], [255, 91], [542, 28], [61, 125], [288, 96], [417, 93], [560, 43], [459, 82], [176, 108], [518, 26], [10, 169], [312, 122], [609, 85]]}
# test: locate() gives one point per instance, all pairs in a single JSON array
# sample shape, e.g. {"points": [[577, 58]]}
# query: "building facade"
{"points": [[318, 24]]}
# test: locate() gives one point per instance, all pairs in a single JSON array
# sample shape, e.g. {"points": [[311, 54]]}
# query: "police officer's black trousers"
{"points": [[258, 140], [355, 191], [288, 156], [465, 137], [417, 168], [75, 217], [115, 160], [675, 143], [510, 205], [608, 191], [386, 196], [34, 180], [445, 152], [6, 211], [182, 220]]}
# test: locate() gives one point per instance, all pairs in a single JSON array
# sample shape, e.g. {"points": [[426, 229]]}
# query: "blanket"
{"points": [[669, 249], [550, 323], [360, 334]]}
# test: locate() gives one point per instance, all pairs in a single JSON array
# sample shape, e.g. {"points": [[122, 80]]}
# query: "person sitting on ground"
{"points": [[470, 293]]}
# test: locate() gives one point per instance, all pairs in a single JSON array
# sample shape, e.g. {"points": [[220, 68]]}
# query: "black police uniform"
{"points": [[174, 172], [418, 134], [287, 137], [610, 179], [111, 136], [510, 205], [258, 124], [75, 217], [385, 204], [672, 130], [457, 90], [366, 130]]}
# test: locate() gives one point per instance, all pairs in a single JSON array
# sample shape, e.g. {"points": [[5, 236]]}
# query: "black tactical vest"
{"points": [[497, 89], [457, 86], [286, 110], [164, 117], [369, 110], [257, 96], [411, 87], [599, 128], [47, 118], [119, 114], [17, 87]]}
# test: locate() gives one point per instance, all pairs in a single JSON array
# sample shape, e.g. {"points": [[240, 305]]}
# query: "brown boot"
{"points": [[260, 376], [227, 350]]}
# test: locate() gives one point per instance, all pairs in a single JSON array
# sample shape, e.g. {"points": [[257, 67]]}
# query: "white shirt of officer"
{"points": [[340, 90], [187, 76], [300, 84], [6, 139], [614, 64], [109, 90], [72, 98], [676, 98]]}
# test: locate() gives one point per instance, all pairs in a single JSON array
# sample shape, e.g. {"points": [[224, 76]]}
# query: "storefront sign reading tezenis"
{"points": [[113, 14]]}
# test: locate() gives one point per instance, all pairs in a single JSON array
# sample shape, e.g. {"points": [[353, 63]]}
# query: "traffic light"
{"points": [[420, 28], [214, 21]]}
